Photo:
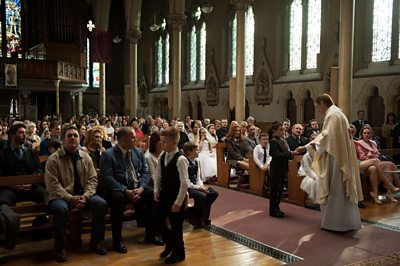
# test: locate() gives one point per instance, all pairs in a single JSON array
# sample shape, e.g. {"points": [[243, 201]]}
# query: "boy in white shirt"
{"points": [[203, 196]]}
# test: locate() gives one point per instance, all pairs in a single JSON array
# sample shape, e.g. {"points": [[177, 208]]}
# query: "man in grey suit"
{"points": [[125, 177]]}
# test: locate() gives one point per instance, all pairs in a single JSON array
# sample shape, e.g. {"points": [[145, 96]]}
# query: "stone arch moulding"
{"points": [[212, 85], [144, 91], [286, 93], [393, 91], [263, 81], [367, 91]]}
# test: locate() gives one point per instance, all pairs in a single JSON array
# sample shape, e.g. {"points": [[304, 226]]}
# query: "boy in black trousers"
{"points": [[203, 196], [170, 189]]}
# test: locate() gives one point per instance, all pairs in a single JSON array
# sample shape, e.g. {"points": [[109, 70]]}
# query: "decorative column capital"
{"points": [[241, 4], [133, 35], [176, 21]]}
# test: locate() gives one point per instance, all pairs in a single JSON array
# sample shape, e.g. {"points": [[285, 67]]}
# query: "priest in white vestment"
{"points": [[335, 162]]}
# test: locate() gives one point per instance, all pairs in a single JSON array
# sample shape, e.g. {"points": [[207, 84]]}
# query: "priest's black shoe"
{"points": [[174, 258], [98, 248], [361, 205], [61, 255], [165, 252], [276, 214], [154, 240], [120, 248]]}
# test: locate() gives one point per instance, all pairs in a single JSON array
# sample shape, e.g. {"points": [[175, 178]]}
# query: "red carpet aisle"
{"points": [[299, 232]]}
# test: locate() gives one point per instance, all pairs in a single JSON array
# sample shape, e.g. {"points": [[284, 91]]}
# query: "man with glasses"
{"points": [[71, 183]]}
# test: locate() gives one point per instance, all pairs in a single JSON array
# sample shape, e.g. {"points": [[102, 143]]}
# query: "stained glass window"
{"points": [[13, 26], [93, 68], [202, 63], [197, 48], [233, 33], [297, 29], [249, 42], [166, 59], [296, 18], [161, 63], [382, 30], [249, 34], [193, 61], [158, 61], [314, 32]]}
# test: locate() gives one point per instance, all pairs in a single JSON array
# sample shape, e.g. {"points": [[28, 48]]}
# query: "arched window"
{"points": [[197, 48], [249, 43], [382, 30], [92, 68], [13, 27], [304, 34], [162, 56]]}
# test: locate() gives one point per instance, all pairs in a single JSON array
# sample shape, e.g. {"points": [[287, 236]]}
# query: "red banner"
{"points": [[101, 46]]}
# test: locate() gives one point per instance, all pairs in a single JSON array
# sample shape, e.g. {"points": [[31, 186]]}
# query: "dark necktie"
{"points": [[362, 122], [299, 140], [265, 155], [78, 188], [131, 178]]}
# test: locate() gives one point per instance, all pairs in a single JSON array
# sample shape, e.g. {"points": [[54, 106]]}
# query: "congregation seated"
{"points": [[125, 179], [203, 196], [296, 139], [55, 129], [183, 137], [93, 145], [19, 159], [368, 154], [207, 155], [309, 182], [250, 141], [71, 183], [233, 144]]}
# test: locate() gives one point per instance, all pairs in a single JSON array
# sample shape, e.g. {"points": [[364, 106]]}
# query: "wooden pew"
{"points": [[296, 195], [223, 168], [256, 179]]}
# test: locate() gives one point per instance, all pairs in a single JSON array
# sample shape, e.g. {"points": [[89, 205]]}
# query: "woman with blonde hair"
{"points": [[93, 145]]}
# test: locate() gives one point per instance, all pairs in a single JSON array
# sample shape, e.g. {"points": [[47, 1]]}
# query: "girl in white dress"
{"points": [[207, 154]]}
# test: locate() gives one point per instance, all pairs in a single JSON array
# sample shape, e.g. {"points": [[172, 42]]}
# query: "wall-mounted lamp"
{"points": [[207, 8]]}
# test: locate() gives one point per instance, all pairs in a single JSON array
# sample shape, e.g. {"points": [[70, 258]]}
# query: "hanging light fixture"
{"points": [[207, 8], [154, 27]]}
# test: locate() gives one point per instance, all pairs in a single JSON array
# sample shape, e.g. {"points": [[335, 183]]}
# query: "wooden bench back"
{"points": [[223, 168], [296, 195], [256, 178]]}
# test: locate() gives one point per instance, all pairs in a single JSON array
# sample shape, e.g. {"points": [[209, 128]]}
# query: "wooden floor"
{"points": [[202, 246]]}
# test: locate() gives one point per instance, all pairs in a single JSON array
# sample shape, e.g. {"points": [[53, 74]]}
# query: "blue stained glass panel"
{"points": [[192, 56], [314, 32], [13, 26]]}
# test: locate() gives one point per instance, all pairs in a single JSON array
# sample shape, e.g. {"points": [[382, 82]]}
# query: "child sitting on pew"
{"points": [[309, 183], [203, 196]]}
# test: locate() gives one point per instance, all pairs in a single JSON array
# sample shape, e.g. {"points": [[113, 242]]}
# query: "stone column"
{"points": [[80, 103], [346, 40], [25, 95], [102, 90], [240, 101], [57, 84], [133, 36], [73, 103], [176, 21]]}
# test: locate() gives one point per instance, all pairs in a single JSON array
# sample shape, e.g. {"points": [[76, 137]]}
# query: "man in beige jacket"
{"points": [[71, 183]]}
